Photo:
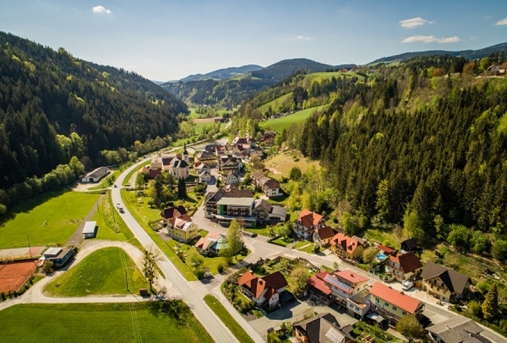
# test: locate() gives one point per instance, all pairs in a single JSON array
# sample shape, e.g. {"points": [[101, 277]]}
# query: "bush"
{"points": [[316, 248], [475, 308], [220, 268]]}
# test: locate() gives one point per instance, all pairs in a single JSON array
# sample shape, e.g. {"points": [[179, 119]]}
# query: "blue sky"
{"points": [[166, 39]]}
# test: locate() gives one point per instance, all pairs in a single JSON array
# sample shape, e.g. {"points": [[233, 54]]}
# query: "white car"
{"points": [[408, 284]]}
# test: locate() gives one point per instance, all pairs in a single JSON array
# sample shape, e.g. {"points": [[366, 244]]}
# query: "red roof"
{"points": [[348, 244], [317, 282], [325, 232], [271, 283], [351, 276], [392, 296], [385, 249], [309, 218]]}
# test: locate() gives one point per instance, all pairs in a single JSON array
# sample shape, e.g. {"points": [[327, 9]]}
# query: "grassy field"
{"points": [[280, 124], [328, 75], [281, 164], [111, 225], [227, 319], [126, 181], [46, 219], [44, 323], [107, 271], [275, 103], [143, 215], [199, 127]]}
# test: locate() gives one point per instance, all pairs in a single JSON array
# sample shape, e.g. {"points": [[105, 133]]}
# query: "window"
{"points": [[376, 300], [394, 308], [404, 313]]}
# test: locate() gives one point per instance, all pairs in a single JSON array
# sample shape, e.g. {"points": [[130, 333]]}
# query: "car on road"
{"points": [[407, 284], [115, 186]]}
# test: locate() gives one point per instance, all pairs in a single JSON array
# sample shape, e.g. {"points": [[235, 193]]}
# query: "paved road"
{"points": [[194, 299]]}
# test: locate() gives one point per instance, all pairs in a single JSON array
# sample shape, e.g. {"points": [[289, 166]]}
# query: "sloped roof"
{"points": [[177, 163], [257, 175], [349, 244], [270, 283], [278, 211], [403, 301], [317, 281], [262, 203], [239, 193], [215, 196], [276, 279], [409, 244], [458, 330], [309, 218], [350, 276], [173, 211], [271, 183], [408, 262], [209, 241], [385, 249], [455, 281], [323, 328], [325, 232]]}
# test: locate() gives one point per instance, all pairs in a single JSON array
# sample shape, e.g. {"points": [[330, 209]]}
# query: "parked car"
{"points": [[407, 284], [253, 235]]}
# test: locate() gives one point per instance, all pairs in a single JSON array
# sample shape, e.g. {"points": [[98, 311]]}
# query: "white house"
{"points": [[89, 230], [95, 175], [232, 178], [265, 290]]}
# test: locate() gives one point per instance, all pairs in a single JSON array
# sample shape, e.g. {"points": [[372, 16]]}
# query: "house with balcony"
{"points": [[393, 305], [267, 213], [229, 163], [306, 224], [269, 186], [457, 330], [235, 204], [346, 247], [323, 328], [210, 202], [444, 283], [178, 224], [207, 158], [232, 178], [345, 286], [266, 291], [403, 266]]}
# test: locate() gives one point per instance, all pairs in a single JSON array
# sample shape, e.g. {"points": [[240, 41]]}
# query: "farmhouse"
{"points": [[393, 305], [207, 158], [264, 291], [90, 229], [95, 175], [323, 328], [306, 224], [444, 283], [269, 186]]}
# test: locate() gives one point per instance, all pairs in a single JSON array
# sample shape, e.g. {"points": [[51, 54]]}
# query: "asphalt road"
{"points": [[212, 324]]}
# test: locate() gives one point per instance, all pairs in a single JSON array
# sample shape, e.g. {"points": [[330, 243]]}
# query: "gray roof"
{"points": [[458, 330], [89, 227], [455, 282], [263, 204], [98, 172], [235, 201], [177, 163], [323, 328], [278, 211]]}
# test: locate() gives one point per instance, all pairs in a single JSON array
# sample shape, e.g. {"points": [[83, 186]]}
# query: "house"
{"points": [[173, 211], [267, 213], [207, 158], [387, 251], [178, 224], [265, 291], [232, 178], [409, 245], [322, 236], [444, 283], [212, 244], [306, 224], [457, 330], [319, 291], [393, 305], [95, 175], [502, 69], [494, 68], [59, 256], [269, 137], [201, 167], [323, 328], [228, 163], [204, 176], [151, 173], [90, 229], [269, 186], [347, 247], [349, 290], [166, 162], [403, 266], [179, 168]]}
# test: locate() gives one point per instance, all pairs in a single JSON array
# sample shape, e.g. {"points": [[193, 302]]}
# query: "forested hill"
{"points": [[231, 92], [54, 106], [221, 74], [468, 54]]}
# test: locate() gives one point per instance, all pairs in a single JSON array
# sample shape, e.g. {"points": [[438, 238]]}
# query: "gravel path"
{"points": [[77, 236]]}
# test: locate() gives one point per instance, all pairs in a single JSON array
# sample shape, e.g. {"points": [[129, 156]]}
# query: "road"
{"points": [[195, 300]]}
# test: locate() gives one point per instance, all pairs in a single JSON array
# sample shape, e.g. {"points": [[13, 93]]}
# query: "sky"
{"points": [[167, 40]]}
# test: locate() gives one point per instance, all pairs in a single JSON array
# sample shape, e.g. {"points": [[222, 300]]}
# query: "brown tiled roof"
{"points": [[455, 282], [392, 296], [409, 244], [325, 232], [276, 279], [408, 262], [317, 281], [173, 211], [271, 183], [348, 244], [256, 286], [239, 193], [309, 218], [385, 249]]}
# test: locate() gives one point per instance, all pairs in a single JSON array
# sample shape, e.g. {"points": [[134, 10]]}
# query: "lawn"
{"points": [[362, 330], [279, 124], [107, 271], [328, 75], [227, 319], [111, 225], [281, 164], [200, 126], [275, 103], [282, 241], [143, 215], [99, 323], [46, 219]]}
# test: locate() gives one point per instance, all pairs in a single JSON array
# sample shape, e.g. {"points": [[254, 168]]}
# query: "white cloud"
{"points": [[101, 9], [431, 39], [301, 37], [501, 22], [414, 22]]}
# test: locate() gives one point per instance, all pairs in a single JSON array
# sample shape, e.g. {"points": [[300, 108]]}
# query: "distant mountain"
{"points": [[468, 54], [229, 92], [221, 74]]}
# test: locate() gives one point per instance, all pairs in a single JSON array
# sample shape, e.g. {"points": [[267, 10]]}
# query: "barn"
{"points": [[95, 175]]}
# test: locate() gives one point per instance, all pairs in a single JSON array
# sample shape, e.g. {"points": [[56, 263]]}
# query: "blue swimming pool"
{"points": [[381, 256]]}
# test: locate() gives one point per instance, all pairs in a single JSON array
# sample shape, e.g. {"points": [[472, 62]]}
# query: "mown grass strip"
{"points": [[227, 319]]}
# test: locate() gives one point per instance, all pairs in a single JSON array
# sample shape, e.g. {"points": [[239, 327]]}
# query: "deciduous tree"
{"points": [[149, 270], [410, 327]]}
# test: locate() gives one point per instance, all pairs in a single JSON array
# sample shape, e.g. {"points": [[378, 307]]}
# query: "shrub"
{"points": [[475, 308], [220, 268]]}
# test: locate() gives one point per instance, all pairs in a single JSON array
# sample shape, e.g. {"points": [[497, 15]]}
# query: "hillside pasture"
{"points": [[329, 75], [279, 124], [49, 323], [46, 219], [281, 164], [275, 103]]}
